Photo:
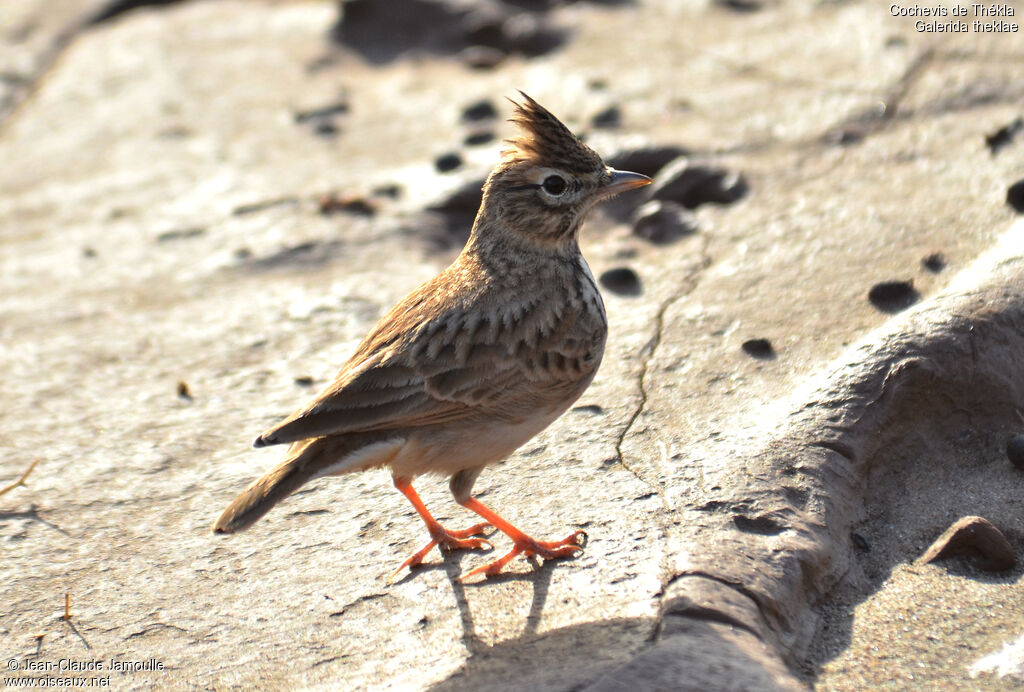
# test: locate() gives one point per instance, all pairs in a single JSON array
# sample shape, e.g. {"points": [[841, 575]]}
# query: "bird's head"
{"points": [[547, 181]]}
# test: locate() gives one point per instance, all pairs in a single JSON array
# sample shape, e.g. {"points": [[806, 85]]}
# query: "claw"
{"points": [[546, 550], [447, 541]]}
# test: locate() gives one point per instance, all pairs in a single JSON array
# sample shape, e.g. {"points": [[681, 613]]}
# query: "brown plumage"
{"points": [[474, 362]]}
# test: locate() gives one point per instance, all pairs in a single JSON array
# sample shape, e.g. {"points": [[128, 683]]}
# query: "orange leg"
{"points": [[547, 550], [439, 536]]}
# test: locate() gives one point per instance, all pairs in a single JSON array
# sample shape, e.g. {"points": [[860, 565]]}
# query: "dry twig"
{"points": [[20, 481]]}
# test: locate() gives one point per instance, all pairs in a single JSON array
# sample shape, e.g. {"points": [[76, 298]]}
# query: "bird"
{"points": [[476, 361]]}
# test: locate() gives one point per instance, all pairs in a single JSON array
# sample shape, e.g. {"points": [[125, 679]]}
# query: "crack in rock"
{"points": [[650, 349]]}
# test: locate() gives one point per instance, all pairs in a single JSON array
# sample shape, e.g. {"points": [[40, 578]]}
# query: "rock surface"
{"points": [[172, 283]]}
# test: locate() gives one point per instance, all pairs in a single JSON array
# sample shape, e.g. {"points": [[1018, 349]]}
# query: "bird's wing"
{"points": [[446, 366]]}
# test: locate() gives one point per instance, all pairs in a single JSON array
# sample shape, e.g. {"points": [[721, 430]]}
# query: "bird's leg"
{"points": [[439, 536], [523, 544]]}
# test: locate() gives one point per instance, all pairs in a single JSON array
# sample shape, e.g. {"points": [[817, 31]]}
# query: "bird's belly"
{"points": [[471, 446]]}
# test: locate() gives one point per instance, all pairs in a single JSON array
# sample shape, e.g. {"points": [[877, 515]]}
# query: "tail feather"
{"points": [[262, 495]]}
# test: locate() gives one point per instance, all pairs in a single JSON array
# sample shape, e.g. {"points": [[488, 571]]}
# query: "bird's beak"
{"points": [[622, 181]]}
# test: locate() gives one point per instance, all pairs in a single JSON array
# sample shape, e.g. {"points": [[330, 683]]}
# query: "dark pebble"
{"points": [[893, 296], [390, 190], [465, 200], [455, 214], [860, 541], [1015, 196], [1015, 451], [330, 111], [621, 280], [179, 234], [447, 162], [475, 139], [934, 262], [88, 252], [663, 222], [646, 160], [845, 136], [973, 537], [739, 5], [183, 391], [330, 204], [692, 184], [609, 118], [759, 348], [481, 110], [325, 128], [304, 381], [1003, 137]]}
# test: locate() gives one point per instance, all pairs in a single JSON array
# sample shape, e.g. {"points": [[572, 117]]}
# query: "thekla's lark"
{"points": [[474, 362]]}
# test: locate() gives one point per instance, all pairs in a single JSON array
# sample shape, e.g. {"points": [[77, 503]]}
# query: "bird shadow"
{"points": [[32, 513], [451, 565]]}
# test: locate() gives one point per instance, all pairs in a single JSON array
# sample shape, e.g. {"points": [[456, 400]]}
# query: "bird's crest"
{"points": [[545, 141]]}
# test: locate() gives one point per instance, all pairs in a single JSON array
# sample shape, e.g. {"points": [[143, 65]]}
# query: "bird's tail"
{"points": [[263, 494]]}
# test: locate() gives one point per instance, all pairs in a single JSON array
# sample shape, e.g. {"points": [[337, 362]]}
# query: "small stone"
{"points": [[325, 128], [183, 391], [465, 200], [331, 203], [179, 234], [327, 112], [447, 162], [739, 5], [454, 216], [974, 537], [934, 262], [475, 139], [480, 110], [609, 118], [621, 280], [759, 348], [304, 381], [663, 222], [389, 190], [1015, 196], [1003, 137], [693, 184], [893, 296], [88, 252], [1015, 451], [860, 541], [845, 136], [646, 160]]}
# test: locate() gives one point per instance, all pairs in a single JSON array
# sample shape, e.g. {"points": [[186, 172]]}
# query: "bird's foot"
{"points": [[447, 540], [546, 550]]}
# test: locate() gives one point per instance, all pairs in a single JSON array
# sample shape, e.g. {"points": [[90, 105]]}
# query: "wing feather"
{"points": [[447, 365]]}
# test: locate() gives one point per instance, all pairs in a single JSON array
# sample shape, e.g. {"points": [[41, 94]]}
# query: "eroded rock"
{"points": [[974, 537]]}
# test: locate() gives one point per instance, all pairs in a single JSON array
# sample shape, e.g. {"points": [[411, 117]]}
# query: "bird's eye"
{"points": [[554, 185]]}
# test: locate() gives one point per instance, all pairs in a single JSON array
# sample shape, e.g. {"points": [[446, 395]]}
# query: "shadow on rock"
{"points": [[942, 446]]}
